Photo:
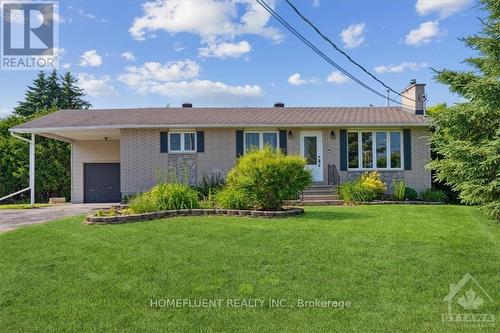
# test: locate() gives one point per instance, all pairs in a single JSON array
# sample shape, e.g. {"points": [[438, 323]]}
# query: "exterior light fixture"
{"points": [[290, 135], [332, 134]]}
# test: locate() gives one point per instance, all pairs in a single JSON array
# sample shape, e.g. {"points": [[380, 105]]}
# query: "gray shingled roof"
{"points": [[226, 117]]}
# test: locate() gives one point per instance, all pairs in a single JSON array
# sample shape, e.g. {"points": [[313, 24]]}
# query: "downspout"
{"points": [[31, 166]]}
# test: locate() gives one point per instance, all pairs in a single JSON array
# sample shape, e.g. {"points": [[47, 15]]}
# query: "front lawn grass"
{"points": [[394, 263], [23, 206]]}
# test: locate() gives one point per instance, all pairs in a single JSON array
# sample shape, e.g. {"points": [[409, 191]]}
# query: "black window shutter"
{"points": [[239, 143], [407, 148], [200, 141], [343, 150], [164, 142], [283, 141]]}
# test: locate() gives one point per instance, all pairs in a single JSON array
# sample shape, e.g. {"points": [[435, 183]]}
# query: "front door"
{"points": [[311, 148]]}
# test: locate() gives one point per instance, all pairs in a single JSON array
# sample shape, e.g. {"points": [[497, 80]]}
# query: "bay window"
{"points": [[257, 140], [374, 150]]}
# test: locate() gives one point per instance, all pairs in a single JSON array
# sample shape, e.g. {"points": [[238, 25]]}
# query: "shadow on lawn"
{"points": [[335, 216]]}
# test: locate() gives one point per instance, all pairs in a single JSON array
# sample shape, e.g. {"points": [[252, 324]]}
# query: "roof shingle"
{"points": [[226, 117]]}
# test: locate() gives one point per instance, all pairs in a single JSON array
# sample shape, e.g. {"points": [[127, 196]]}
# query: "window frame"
{"points": [[388, 151], [183, 147], [261, 139]]}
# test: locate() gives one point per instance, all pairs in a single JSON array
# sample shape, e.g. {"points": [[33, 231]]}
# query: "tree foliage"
{"points": [[466, 136], [53, 174]]}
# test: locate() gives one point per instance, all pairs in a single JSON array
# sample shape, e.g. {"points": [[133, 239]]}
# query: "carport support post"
{"points": [[32, 168]]}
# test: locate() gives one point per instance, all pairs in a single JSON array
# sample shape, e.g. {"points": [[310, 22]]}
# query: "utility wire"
{"points": [[319, 52], [328, 40]]}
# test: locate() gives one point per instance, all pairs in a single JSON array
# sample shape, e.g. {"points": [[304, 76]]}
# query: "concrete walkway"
{"points": [[11, 219]]}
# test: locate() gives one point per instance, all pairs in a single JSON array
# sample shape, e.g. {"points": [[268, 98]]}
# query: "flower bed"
{"points": [[118, 219]]}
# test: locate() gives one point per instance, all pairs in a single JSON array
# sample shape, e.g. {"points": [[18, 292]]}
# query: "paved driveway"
{"points": [[11, 219]]}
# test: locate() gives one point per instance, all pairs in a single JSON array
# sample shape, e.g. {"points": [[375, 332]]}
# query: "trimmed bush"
{"points": [[411, 194], [433, 195], [355, 191], [373, 181], [399, 189], [232, 198], [269, 178]]}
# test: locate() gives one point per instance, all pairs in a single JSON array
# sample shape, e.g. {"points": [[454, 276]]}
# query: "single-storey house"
{"points": [[118, 152]]}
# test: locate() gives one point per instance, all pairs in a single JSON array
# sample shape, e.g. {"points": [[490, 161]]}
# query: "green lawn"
{"points": [[394, 263], [23, 206]]}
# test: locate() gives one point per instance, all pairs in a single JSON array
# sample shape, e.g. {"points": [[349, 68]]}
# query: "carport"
{"points": [[100, 178]]}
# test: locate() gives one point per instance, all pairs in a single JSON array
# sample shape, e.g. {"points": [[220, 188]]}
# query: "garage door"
{"points": [[101, 182]]}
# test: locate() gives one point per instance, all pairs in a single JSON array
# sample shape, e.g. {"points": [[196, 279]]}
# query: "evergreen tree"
{"points": [[467, 135], [35, 99], [72, 95], [53, 90]]}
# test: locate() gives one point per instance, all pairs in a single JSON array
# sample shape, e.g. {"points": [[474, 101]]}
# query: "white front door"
{"points": [[311, 148]]}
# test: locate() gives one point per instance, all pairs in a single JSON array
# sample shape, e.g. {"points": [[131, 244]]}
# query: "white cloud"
{"points": [[337, 77], [205, 89], [316, 3], [66, 65], [424, 33], [215, 22], [297, 80], [178, 47], [96, 86], [225, 50], [180, 79], [353, 35], [90, 58], [413, 66], [152, 72], [443, 8], [129, 56]]}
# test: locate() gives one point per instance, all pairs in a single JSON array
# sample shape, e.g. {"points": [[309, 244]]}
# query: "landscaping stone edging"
{"points": [[92, 219]]}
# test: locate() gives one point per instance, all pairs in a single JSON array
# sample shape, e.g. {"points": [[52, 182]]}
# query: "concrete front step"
{"points": [[322, 203], [319, 197]]}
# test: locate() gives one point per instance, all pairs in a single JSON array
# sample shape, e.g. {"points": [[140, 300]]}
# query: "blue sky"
{"points": [[231, 53]]}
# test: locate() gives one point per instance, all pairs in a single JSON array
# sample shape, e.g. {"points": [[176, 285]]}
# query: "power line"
{"points": [[319, 52], [328, 40]]}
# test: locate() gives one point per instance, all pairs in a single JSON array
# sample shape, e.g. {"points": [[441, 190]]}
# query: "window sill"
{"points": [[376, 169]]}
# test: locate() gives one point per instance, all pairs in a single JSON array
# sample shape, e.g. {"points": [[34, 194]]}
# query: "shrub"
{"points": [[174, 196], [355, 191], [373, 181], [210, 184], [269, 178], [232, 198], [433, 195], [142, 203], [399, 189], [411, 194], [165, 197]]}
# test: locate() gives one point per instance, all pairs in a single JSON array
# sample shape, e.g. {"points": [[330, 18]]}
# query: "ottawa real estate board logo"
{"points": [[29, 35], [466, 302]]}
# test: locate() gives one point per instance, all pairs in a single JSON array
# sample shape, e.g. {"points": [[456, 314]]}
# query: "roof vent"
{"points": [[187, 105], [413, 81], [279, 105]]}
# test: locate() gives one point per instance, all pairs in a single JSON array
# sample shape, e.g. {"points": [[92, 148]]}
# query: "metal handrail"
{"points": [[333, 175]]}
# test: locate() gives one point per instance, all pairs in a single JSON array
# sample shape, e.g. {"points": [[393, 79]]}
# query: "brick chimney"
{"points": [[413, 98]]}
